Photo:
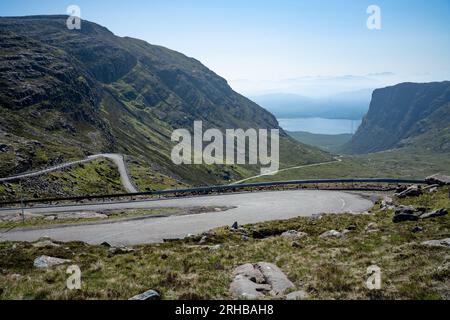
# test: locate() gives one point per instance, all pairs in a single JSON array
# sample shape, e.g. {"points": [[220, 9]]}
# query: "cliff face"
{"points": [[413, 115], [68, 93]]}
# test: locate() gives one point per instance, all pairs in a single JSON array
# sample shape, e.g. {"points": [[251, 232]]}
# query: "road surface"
{"points": [[116, 158], [249, 208], [336, 159]]}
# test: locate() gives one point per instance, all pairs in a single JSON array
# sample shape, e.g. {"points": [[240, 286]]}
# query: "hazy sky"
{"points": [[256, 43]]}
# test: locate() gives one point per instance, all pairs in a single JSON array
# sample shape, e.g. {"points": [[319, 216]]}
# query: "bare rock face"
{"points": [[255, 281], [438, 179]]}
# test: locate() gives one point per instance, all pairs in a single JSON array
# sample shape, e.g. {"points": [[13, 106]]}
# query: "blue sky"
{"points": [[256, 43]]}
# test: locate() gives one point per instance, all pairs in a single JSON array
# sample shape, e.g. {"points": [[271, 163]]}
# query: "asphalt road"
{"points": [[250, 208], [116, 158]]}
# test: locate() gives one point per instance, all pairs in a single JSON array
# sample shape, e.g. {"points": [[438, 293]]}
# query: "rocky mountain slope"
{"points": [[410, 115], [65, 94]]}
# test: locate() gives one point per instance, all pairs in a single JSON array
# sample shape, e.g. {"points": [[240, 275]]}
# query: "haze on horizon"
{"points": [[288, 46]]}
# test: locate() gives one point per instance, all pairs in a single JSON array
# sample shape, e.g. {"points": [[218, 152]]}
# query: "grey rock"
{"points": [[412, 191], [249, 271], [45, 243], [331, 233], [241, 287], [119, 250], [406, 213], [372, 227], [296, 244], [203, 240], [235, 225], [417, 229], [294, 234], [433, 214], [298, 295], [215, 247], [438, 243], [351, 227], [275, 278], [244, 238], [439, 179], [401, 217], [147, 295], [48, 262]]}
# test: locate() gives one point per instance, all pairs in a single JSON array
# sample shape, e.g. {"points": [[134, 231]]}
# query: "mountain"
{"points": [[345, 105], [412, 115], [327, 142], [65, 94]]}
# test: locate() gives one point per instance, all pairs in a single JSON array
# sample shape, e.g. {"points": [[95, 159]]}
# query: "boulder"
{"points": [[147, 295], [401, 217], [275, 278], [241, 287], [331, 233], [433, 214], [45, 243], [372, 226], [294, 234], [298, 295], [439, 179], [406, 213], [438, 243], [48, 262], [417, 229], [235, 225]]}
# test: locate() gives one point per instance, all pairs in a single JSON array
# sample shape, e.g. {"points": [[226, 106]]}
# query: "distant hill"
{"points": [[327, 142], [412, 115], [65, 94], [345, 105]]}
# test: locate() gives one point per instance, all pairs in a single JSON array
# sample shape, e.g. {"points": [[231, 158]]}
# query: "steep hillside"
{"points": [[65, 94], [412, 115]]}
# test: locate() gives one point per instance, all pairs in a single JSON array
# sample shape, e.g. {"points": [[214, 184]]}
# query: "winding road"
{"points": [[336, 159], [114, 157], [247, 208]]}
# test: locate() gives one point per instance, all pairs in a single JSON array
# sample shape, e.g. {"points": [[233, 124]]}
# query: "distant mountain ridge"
{"points": [[413, 115], [65, 94]]}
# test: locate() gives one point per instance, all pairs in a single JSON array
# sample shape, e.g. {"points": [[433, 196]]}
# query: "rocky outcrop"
{"points": [[438, 179], [410, 213], [412, 191]]}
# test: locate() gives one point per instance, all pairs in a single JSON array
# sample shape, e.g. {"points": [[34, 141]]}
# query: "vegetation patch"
{"points": [[199, 268]]}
